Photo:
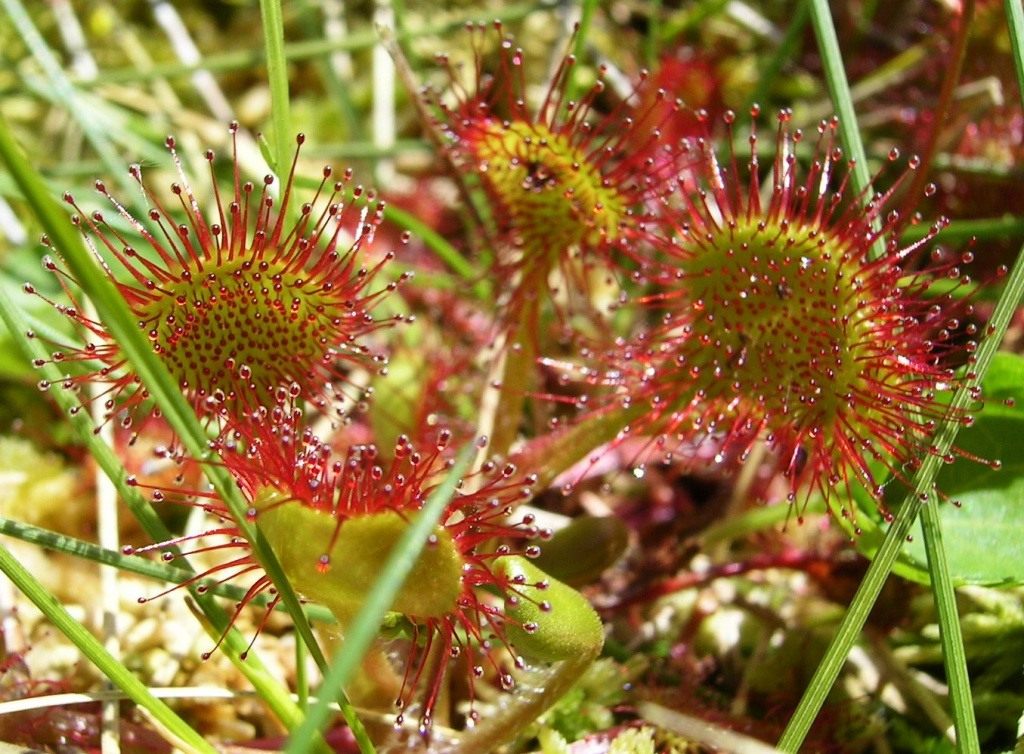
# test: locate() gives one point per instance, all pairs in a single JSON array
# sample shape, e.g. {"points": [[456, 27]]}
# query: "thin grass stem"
{"points": [[247, 59], [950, 636], [961, 231], [579, 47], [942, 108], [152, 569], [277, 76], [331, 66], [842, 100], [441, 247], [785, 52], [61, 88], [652, 39], [113, 670]]}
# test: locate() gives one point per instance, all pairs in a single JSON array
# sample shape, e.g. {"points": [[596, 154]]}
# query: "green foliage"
{"points": [[982, 530], [587, 707], [982, 492], [629, 741]]}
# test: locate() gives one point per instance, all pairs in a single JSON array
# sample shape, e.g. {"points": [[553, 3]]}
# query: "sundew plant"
{"points": [[609, 377]]}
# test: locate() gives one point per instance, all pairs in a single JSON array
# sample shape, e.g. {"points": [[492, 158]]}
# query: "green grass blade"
{"points": [[62, 89], [337, 90], [92, 649], [1015, 20], [786, 51], [440, 246], [842, 100], [365, 626], [871, 586], [756, 519], [962, 231], [839, 91], [953, 654], [57, 542], [943, 107], [434, 241], [579, 48], [277, 75], [652, 39], [247, 59], [140, 566], [355, 149]]}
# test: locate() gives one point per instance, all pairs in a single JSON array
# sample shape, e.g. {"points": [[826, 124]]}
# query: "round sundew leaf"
{"points": [[341, 575], [981, 537], [546, 185]]}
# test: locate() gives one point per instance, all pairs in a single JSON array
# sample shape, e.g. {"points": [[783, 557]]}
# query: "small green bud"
{"points": [[548, 620], [580, 552]]}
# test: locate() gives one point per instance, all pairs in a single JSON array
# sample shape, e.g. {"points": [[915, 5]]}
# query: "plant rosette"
{"points": [[776, 323], [253, 296], [473, 599], [566, 181]]}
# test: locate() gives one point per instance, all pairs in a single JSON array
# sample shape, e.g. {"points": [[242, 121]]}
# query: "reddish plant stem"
{"points": [[942, 107], [430, 129], [793, 560]]}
